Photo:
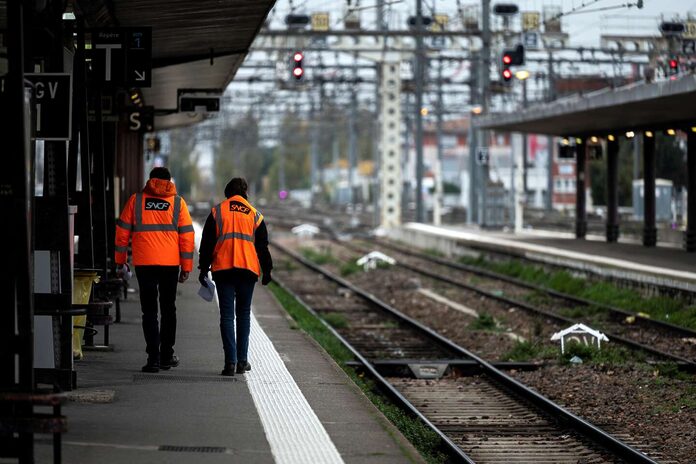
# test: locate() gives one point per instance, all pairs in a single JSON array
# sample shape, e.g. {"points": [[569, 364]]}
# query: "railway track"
{"points": [[480, 413], [661, 339]]}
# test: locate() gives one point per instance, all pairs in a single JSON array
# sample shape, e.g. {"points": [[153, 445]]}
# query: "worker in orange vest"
{"points": [[159, 224], [234, 246]]}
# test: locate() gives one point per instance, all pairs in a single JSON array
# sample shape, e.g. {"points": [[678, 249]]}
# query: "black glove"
{"points": [[201, 278], [266, 279]]}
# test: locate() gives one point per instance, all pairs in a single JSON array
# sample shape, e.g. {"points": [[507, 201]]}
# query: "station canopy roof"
{"points": [[195, 43], [638, 106]]}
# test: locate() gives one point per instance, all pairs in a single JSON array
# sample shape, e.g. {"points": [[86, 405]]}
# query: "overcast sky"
{"points": [[584, 29]]}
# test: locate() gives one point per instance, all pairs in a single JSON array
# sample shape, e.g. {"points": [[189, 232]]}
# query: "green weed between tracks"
{"points": [[425, 440], [536, 350], [614, 355], [320, 257], [530, 351], [672, 310]]}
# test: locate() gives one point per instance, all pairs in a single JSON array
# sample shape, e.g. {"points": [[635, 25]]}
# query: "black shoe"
{"points": [[228, 370], [171, 362], [151, 368], [243, 366]]}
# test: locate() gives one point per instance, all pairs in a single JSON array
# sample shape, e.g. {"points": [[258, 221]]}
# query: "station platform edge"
{"points": [[295, 405]]}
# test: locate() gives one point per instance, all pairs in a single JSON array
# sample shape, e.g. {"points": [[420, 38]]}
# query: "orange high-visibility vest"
{"points": [[236, 222], [161, 230]]}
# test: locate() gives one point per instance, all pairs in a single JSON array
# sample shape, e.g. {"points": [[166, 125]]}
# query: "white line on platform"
{"points": [[293, 430]]}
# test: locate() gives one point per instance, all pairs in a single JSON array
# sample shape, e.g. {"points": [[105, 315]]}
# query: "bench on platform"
{"points": [[97, 315], [23, 420], [112, 290]]}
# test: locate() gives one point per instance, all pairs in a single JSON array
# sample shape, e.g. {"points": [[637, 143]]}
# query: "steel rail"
{"points": [[556, 411], [662, 288], [449, 446], [521, 283], [688, 363]]}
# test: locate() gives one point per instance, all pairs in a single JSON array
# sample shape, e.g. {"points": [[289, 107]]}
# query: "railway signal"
{"points": [[673, 66], [297, 70], [514, 56]]}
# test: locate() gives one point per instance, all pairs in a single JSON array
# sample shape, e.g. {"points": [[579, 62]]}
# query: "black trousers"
{"points": [[162, 280]]}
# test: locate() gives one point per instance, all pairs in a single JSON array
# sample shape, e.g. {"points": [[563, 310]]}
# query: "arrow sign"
{"points": [[139, 57], [122, 56]]}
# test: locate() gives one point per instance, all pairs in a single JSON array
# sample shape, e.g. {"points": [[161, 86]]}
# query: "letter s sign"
{"points": [[134, 120]]}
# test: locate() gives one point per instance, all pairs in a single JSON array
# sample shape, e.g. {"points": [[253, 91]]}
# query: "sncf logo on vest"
{"points": [[238, 207], [156, 204]]}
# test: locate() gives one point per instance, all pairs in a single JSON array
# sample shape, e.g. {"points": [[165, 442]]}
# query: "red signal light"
{"points": [[298, 72], [298, 56], [507, 74], [673, 63], [507, 59]]}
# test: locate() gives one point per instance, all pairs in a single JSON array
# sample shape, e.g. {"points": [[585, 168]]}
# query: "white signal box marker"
{"points": [[372, 259], [305, 230], [580, 333]]}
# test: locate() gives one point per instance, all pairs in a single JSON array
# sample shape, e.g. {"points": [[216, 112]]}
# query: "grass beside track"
{"points": [[423, 439], [671, 310]]}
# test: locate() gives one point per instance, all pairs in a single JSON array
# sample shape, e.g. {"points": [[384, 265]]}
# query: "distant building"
{"points": [[456, 165]]}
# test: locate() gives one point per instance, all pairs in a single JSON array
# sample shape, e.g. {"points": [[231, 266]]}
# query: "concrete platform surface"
{"points": [[665, 266], [192, 414]]}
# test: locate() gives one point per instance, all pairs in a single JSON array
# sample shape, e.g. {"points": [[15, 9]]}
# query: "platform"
{"points": [[663, 266], [295, 405]]}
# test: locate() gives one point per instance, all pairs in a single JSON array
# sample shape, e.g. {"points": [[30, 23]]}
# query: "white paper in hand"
{"points": [[207, 293]]}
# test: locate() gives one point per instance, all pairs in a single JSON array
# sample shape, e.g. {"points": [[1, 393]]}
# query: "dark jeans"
{"points": [[163, 280], [235, 295]]}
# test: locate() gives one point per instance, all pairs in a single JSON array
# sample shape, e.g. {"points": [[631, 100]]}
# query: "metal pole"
{"points": [[484, 81], [580, 184], [380, 15], [419, 77], [437, 210], [612, 227], [377, 169], [551, 95], [405, 194], [314, 156], [471, 213], [525, 148], [353, 138], [549, 169], [636, 155], [16, 288], [690, 234], [281, 164], [649, 228]]}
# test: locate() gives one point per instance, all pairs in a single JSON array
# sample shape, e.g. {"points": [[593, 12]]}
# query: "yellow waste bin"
{"points": [[82, 289]]}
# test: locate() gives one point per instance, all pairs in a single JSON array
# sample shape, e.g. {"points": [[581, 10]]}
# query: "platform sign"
{"points": [[139, 57], [689, 30], [439, 24], [122, 56], [141, 119], [530, 40], [53, 110], [320, 22], [531, 21]]}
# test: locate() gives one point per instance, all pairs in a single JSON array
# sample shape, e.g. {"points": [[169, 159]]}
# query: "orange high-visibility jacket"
{"points": [[160, 225], [236, 221]]}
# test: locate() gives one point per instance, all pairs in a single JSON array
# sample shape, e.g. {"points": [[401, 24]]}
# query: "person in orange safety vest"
{"points": [[234, 245], [158, 223]]}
